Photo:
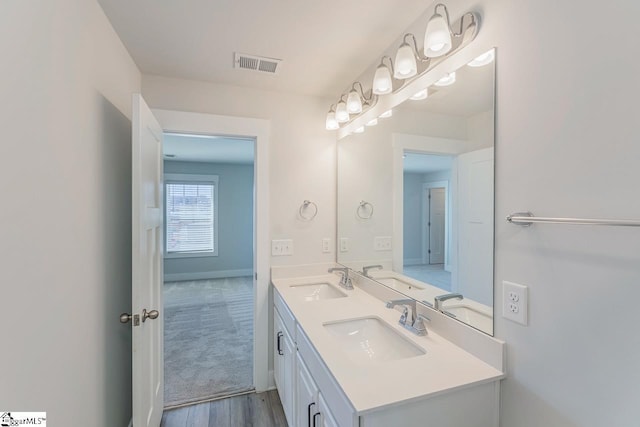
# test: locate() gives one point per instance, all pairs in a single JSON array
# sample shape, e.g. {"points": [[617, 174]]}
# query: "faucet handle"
{"points": [[405, 314]]}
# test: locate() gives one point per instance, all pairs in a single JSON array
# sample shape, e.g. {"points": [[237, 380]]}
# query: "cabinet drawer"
{"points": [[335, 398], [287, 317]]}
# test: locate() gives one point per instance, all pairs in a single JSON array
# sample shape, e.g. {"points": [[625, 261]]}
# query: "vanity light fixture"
{"points": [[372, 122], [447, 80], [440, 41], [332, 123], [484, 59], [418, 96], [382, 83], [342, 115], [386, 114], [359, 130]]}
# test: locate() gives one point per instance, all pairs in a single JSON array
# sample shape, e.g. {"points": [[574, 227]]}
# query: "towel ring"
{"points": [[303, 208], [362, 207]]}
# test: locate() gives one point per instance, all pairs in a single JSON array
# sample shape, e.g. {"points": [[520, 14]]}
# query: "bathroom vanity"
{"points": [[342, 359]]}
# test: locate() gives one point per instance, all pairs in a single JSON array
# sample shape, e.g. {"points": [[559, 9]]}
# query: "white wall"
{"points": [[302, 154], [65, 86], [567, 145]]}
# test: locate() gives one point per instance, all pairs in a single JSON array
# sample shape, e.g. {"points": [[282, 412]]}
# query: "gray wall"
{"points": [[66, 84], [235, 224], [412, 217]]}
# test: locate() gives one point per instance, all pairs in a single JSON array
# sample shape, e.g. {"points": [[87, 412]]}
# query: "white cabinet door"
{"points": [[306, 396], [326, 415], [284, 365]]}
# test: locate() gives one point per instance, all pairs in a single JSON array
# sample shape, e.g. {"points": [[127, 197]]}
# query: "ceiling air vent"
{"points": [[256, 63]]}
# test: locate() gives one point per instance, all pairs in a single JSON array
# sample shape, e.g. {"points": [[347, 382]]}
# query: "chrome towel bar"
{"points": [[525, 219]]}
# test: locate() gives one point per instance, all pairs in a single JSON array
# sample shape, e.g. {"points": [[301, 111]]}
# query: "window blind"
{"points": [[190, 217]]}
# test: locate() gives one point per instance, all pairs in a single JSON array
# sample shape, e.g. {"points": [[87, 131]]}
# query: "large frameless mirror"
{"points": [[416, 196]]}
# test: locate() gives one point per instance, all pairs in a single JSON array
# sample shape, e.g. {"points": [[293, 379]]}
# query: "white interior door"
{"points": [[437, 213], [148, 320]]}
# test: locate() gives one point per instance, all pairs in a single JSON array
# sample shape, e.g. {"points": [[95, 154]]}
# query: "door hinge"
{"points": [[256, 275]]}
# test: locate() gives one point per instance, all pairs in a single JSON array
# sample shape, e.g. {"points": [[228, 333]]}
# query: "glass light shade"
{"points": [[447, 80], [386, 114], [359, 130], [372, 122], [332, 123], [342, 115], [437, 37], [354, 103], [484, 59], [406, 65], [418, 96], [382, 84]]}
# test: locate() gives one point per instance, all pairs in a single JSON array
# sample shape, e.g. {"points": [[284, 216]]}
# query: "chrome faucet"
{"points": [[345, 280], [414, 324], [365, 269], [437, 301]]}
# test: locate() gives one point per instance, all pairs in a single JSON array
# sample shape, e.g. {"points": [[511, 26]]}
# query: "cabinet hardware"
{"points": [[280, 352]]}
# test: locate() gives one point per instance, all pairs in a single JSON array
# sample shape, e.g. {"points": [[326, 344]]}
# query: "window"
{"points": [[191, 211]]}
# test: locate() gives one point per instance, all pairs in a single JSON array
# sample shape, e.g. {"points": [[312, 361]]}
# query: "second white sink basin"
{"points": [[370, 339], [317, 291]]}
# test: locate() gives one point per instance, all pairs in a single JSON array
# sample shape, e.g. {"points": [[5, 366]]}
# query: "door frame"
{"points": [[425, 210], [212, 124]]}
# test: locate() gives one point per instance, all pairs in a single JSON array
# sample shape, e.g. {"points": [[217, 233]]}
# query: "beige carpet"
{"points": [[208, 339]]}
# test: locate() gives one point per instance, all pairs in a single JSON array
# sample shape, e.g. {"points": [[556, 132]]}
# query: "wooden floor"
{"points": [[249, 410]]}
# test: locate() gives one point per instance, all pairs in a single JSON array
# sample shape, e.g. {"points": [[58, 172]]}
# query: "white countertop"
{"points": [[370, 386]]}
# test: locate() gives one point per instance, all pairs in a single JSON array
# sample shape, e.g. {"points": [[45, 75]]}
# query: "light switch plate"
{"points": [[515, 301], [282, 247], [344, 244], [326, 245], [382, 243]]}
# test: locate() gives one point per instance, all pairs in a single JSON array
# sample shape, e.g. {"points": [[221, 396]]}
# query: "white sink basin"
{"points": [[317, 291], [471, 316], [371, 339], [399, 285]]}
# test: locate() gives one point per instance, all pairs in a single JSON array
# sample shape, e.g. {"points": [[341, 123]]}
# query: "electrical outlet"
{"points": [[514, 302], [382, 243], [282, 247], [344, 244], [326, 245]]}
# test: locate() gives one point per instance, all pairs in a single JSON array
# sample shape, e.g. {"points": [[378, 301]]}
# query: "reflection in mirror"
{"points": [[427, 176]]}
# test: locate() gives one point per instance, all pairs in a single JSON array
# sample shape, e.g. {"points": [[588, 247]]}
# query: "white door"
{"points": [[437, 214], [147, 205]]}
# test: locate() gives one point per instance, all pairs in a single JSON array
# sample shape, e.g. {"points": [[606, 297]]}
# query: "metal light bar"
{"points": [[525, 219]]}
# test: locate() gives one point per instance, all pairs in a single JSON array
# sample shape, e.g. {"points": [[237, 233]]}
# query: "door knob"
{"points": [[125, 317], [153, 314]]}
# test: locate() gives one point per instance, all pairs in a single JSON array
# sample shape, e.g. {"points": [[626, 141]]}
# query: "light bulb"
{"points": [[437, 37], [342, 115], [332, 123], [418, 96], [484, 59], [406, 65], [386, 114], [447, 80], [359, 130], [372, 122], [354, 103], [382, 80]]}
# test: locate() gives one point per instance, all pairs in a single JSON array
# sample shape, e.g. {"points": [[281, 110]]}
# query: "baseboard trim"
{"points": [[413, 261], [204, 275]]}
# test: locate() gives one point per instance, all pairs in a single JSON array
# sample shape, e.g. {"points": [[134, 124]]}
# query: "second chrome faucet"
{"points": [[345, 280], [415, 323]]}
